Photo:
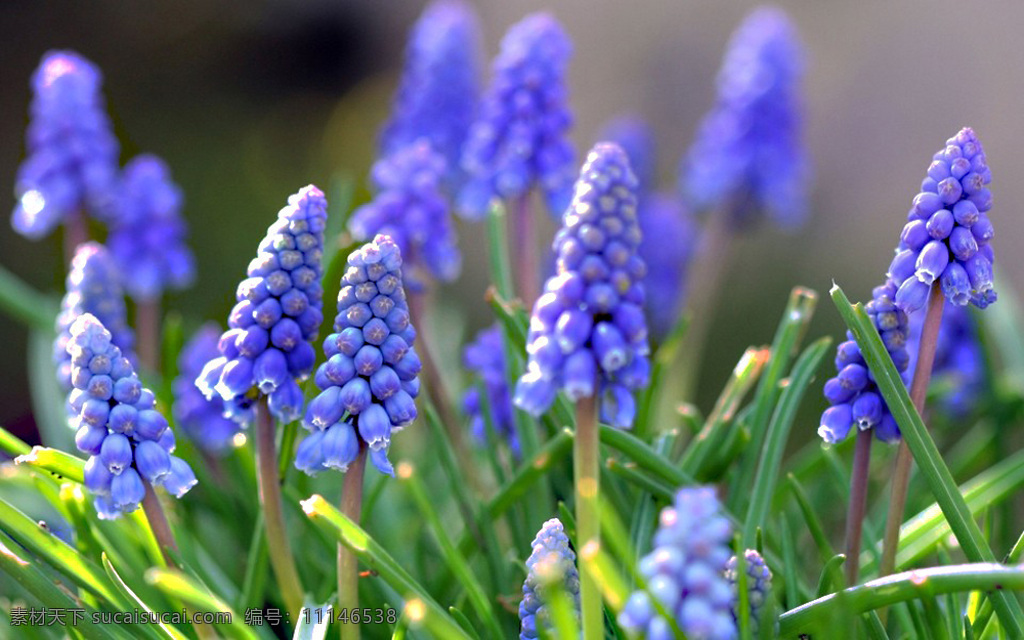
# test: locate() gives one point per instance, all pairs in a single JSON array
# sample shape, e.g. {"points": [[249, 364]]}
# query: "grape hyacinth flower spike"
{"points": [[410, 207], [669, 236], [749, 156], [369, 382], [485, 357], [686, 573], [759, 586], [587, 333], [551, 565], [267, 351], [129, 442], [202, 419], [948, 234], [71, 168], [267, 348], [93, 286], [439, 89]]}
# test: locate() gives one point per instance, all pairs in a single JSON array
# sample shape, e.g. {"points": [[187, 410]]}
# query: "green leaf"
{"points": [[25, 304], [830, 578], [420, 606], [48, 400], [644, 456], [181, 587], [661, 363], [60, 464], [925, 453], [902, 587], [795, 320], [12, 444], [825, 550], [777, 436], [167, 630], [313, 622], [464, 622], [498, 260]]}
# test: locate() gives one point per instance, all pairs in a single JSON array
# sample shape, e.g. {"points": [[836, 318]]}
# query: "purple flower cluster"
{"points": [[669, 236], [440, 83], [485, 357], [519, 137], [201, 419], [147, 237], [748, 154], [267, 349], [93, 286], [72, 158], [587, 332], [685, 572], [759, 586], [948, 233], [853, 394], [411, 208], [128, 441], [551, 562], [958, 358], [369, 381]]}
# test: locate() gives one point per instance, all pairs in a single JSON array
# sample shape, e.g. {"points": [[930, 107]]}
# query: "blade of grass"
{"points": [[661, 363], [179, 586], [12, 444], [48, 400], [825, 550], [24, 303], [60, 464], [167, 630], [925, 453]]}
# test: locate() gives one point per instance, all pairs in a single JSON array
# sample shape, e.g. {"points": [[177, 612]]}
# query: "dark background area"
{"points": [[249, 101]]}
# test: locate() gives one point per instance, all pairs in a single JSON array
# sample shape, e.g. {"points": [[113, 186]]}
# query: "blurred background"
{"points": [[249, 101]]}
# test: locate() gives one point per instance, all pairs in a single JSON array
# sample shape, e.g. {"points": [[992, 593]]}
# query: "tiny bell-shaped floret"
{"points": [[129, 444], [438, 92], [853, 396], [93, 286], [267, 348], [370, 379], [201, 419], [519, 138], [749, 154], [759, 586], [485, 357], [410, 207], [948, 233], [551, 565], [71, 165], [587, 334], [685, 572], [147, 237]]}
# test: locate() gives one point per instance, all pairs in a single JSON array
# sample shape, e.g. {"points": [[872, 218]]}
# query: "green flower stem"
{"points": [[904, 460], [348, 565], [901, 587], [158, 524], [278, 547], [858, 503], [147, 325], [525, 251], [588, 523]]}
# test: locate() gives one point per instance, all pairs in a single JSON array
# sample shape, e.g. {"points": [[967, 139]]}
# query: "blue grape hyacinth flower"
{"points": [[853, 394], [93, 286], [669, 236], [440, 83], [147, 237], [749, 155], [759, 586], [267, 348], [485, 357], [128, 441], [519, 138], [685, 572], [958, 359], [369, 382], [587, 333], [72, 161], [410, 207], [948, 233], [201, 418], [551, 564]]}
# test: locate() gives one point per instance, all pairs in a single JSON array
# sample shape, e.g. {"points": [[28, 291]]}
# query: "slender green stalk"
{"points": [[525, 251], [858, 504], [904, 460], [348, 565], [278, 546], [147, 326], [158, 523], [588, 522]]}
